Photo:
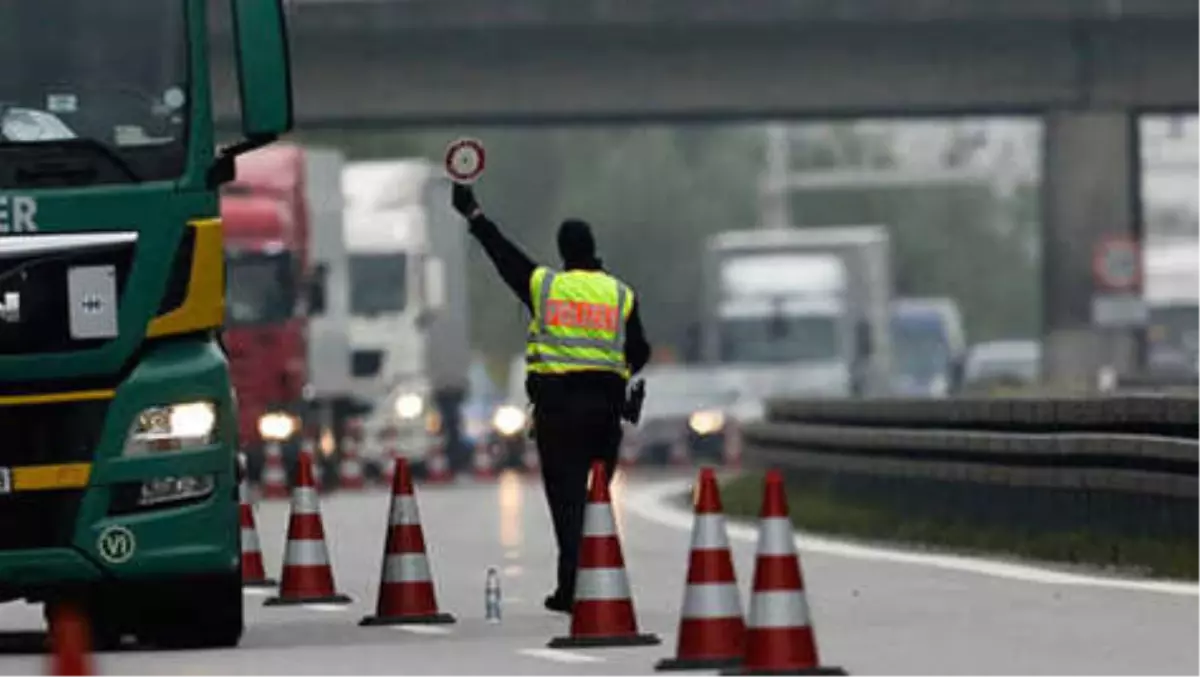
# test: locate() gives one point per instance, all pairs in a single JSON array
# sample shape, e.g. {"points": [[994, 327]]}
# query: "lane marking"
{"points": [[513, 600], [513, 570], [423, 629], [560, 656], [652, 503], [512, 554]]}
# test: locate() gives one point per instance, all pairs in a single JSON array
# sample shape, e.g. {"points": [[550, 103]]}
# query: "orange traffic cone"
{"points": [[274, 477], [406, 591], [603, 613], [253, 573], [779, 635], [70, 642], [711, 628], [307, 574]]}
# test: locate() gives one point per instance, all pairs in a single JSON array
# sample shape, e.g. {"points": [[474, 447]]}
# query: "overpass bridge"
{"points": [[1089, 67]]}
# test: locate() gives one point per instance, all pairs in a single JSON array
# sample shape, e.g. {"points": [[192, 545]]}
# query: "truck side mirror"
{"points": [[316, 290], [264, 73]]}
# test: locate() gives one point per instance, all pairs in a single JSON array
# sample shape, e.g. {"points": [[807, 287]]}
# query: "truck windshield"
{"points": [[261, 289], [102, 85], [378, 284], [919, 347], [767, 340]]}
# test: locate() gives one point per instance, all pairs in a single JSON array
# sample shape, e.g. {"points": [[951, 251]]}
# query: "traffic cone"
{"points": [[253, 573], [779, 635], [529, 459], [274, 477], [307, 574], [630, 448], [350, 470], [70, 642], [603, 614], [387, 464], [483, 462], [437, 466], [711, 628], [308, 447], [406, 592]]}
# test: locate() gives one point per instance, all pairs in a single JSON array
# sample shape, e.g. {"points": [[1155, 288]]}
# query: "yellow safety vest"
{"points": [[578, 324]]}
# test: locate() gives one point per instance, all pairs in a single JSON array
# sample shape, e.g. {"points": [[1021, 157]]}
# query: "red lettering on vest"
{"points": [[581, 315]]}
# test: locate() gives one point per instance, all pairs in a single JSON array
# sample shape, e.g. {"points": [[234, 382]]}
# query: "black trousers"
{"points": [[572, 432]]}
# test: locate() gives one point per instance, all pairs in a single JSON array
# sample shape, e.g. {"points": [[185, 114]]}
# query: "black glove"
{"points": [[463, 199]]}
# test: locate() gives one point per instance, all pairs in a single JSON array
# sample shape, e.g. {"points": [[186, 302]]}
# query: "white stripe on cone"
{"points": [[602, 584], [249, 540], [775, 537], [598, 520], [302, 553], [779, 609], [407, 568], [708, 533], [404, 511], [304, 501], [712, 600]]}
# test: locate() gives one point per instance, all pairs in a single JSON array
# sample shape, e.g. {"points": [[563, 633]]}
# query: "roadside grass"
{"points": [[817, 510]]}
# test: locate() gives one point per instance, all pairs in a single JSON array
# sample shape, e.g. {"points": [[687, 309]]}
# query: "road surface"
{"points": [[872, 615]]}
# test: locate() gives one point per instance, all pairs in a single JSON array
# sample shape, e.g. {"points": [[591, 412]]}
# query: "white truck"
{"points": [[1172, 292], [408, 305], [799, 311]]}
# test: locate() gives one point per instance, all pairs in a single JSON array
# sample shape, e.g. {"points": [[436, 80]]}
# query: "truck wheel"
{"points": [[198, 613]]}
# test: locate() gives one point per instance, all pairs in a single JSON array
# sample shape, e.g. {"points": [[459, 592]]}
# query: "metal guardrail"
{"points": [[1133, 445]]}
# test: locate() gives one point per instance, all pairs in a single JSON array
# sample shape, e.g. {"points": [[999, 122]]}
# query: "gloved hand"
{"points": [[463, 199]]}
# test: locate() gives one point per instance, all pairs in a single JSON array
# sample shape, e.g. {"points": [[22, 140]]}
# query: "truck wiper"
{"points": [[85, 144]]}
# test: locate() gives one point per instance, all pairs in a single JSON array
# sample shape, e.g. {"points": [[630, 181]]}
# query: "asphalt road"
{"points": [[872, 615]]}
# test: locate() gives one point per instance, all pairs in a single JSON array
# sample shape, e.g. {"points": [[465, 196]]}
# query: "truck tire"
{"points": [[197, 613]]}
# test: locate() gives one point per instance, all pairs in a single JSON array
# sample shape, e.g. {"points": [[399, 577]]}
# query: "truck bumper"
{"points": [[54, 537]]}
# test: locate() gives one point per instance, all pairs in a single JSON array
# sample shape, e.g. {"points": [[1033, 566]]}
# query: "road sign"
{"points": [[465, 160], [1117, 264]]}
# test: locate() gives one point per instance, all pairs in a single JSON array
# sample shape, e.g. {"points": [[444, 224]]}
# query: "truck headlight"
{"points": [[509, 420], [706, 422], [172, 428], [276, 427], [409, 406]]}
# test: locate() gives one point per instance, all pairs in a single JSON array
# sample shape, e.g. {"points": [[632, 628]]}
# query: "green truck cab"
{"points": [[118, 470]]}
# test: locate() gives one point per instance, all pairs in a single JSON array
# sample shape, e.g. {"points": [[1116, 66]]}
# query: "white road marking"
{"points": [[326, 607], [513, 600], [513, 570], [258, 591], [512, 554], [423, 629], [651, 502], [561, 656]]}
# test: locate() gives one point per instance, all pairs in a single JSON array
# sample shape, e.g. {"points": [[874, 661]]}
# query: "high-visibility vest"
{"points": [[579, 320]]}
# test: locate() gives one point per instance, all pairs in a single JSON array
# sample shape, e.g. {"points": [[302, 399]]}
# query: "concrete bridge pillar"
{"points": [[1091, 168]]}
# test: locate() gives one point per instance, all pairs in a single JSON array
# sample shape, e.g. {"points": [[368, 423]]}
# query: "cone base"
{"points": [[261, 583], [420, 619], [800, 671], [295, 601], [669, 664], [596, 642]]}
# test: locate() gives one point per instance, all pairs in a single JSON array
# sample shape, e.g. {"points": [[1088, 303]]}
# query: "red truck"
{"points": [[283, 333]]}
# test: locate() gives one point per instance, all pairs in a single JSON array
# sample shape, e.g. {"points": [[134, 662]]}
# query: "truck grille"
{"points": [[43, 434], [38, 519], [40, 282]]}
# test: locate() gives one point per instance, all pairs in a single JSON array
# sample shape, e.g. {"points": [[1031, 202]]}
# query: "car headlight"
{"points": [[172, 428], [276, 427], [409, 405], [706, 422], [509, 420]]}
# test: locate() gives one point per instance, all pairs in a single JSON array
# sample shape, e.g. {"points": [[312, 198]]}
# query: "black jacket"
{"points": [[516, 269]]}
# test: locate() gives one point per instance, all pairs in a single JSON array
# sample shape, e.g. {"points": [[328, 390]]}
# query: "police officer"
{"points": [[585, 341]]}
